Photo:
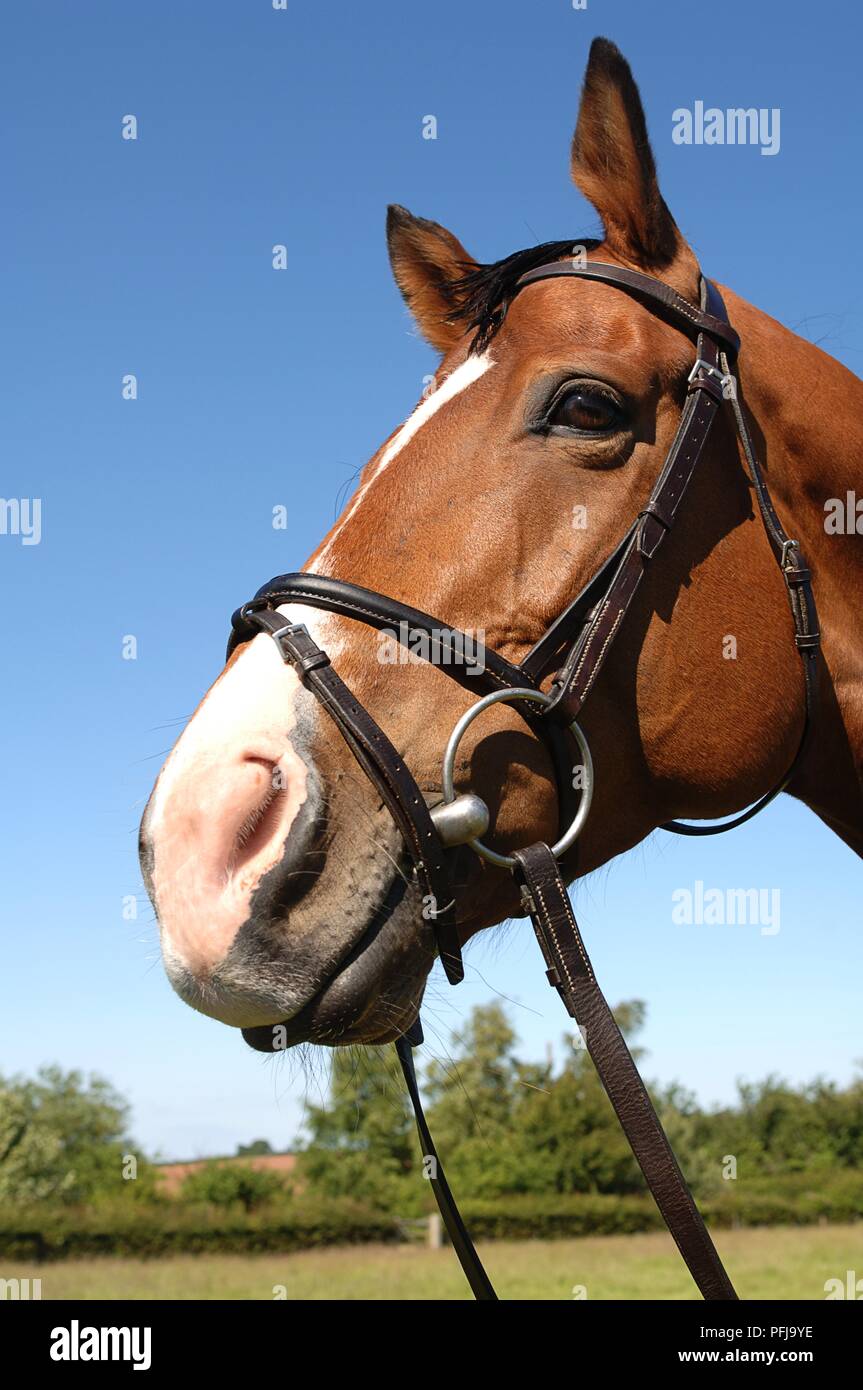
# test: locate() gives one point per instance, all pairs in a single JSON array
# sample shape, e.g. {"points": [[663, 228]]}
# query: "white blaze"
{"points": [[465, 375]]}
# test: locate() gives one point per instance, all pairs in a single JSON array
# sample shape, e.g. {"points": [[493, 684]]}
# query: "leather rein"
{"points": [[574, 648]]}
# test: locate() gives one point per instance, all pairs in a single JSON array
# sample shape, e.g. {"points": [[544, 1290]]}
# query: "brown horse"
{"points": [[278, 877]]}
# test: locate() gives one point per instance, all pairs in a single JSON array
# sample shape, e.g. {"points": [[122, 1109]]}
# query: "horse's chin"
{"points": [[372, 996], [347, 1010]]}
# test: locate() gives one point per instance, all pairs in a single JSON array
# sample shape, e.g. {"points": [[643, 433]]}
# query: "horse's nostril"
{"points": [[258, 828], [267, 815], [223, 842]]}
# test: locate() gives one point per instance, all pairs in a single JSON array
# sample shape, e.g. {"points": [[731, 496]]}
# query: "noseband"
{"points": [[574, 648]]}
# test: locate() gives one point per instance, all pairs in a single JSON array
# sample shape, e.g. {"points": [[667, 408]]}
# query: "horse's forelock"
{"points": [[484, 294]]}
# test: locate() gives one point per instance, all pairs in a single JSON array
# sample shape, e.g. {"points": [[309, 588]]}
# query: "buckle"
{"points": [[298, 647], [786, 546], [727, 382], [292, 629], [295, 643]]}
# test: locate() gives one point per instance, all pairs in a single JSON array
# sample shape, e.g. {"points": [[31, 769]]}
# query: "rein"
{"points": [[574, 648]]}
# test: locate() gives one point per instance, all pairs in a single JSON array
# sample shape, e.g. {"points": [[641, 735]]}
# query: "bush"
{"points": [[229, 1184]]}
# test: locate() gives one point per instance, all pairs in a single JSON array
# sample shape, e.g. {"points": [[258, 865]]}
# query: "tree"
{"points": [[473, 1090], [362, 1142], [224, 1184], [569, 1134], [62, 1137], [474, 1098], [256, 1149], [507, 1126]]}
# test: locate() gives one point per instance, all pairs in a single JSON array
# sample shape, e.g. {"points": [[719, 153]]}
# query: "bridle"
{"points": [[575, 648]]}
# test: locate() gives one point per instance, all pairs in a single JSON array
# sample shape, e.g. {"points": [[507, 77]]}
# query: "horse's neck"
{"points": [[810, 409]]}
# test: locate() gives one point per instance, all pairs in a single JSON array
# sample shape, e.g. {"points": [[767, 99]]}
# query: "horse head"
{"points": [[279, 877]]}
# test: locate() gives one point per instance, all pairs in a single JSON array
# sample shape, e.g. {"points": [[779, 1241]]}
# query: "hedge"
{"points": [[147, 1230], [789, 1199], [798, 1200]]}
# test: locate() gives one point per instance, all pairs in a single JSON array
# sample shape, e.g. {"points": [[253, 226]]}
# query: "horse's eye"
{"points": [[587, 409]]}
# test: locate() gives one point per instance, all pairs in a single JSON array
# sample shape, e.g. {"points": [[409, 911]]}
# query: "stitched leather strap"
{"points": [[804, 615], [473, 666], [661, 297], [586, 657], [570, 971]]}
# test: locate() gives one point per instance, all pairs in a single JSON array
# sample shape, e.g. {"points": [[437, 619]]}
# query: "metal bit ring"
{"points": [[537, 697]]}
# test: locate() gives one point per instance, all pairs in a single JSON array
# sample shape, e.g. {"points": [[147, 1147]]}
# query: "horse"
{"points": [[283, 886]]}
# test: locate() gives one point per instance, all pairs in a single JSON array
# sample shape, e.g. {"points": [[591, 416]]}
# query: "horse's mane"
{"points": [[484, 293]]}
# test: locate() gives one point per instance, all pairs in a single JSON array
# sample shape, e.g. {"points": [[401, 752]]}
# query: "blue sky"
{"points": [[257, 388]]}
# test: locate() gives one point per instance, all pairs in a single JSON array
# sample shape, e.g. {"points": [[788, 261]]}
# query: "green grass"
{"points": [[783, 1262]]}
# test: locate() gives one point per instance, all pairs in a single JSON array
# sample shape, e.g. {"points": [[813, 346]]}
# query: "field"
{"points": [[783, 1263]]}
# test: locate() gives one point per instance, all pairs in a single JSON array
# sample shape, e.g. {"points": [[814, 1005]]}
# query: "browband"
{"points": [[684, 314]]}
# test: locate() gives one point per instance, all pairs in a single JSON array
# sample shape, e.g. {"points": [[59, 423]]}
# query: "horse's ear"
{"points": [[613, 166], [427, 262]]}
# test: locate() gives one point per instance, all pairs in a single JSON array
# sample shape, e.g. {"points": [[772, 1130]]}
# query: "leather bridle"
{"points": [[575, 648]]}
